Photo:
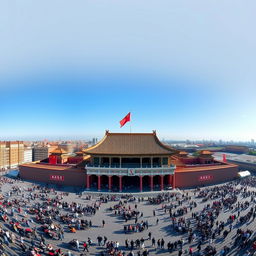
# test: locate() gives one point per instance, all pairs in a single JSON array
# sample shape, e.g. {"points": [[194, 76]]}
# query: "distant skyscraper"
{"points": [[94, 141]]}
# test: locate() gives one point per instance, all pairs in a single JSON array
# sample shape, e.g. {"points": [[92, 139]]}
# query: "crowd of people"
{"points": [[39, 220]]}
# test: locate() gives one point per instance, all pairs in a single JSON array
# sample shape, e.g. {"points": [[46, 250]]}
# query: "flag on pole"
{"points": [[126, 119]]}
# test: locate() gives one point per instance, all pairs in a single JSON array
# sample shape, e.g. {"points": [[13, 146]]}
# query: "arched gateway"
{"points": [[130, 162]]}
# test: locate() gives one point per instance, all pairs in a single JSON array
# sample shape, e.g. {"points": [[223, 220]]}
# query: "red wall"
{"points": [[72, 176], [211, 176], [196, 160], [75, 159]]}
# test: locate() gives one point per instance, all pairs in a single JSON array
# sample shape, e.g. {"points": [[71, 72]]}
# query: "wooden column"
{"points": [[162, 182], [109, 183], [120, 184], [173, 181], [99, 183], [141, 183]]}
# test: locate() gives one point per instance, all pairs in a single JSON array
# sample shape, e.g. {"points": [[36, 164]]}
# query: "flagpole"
{"points": [[130, 123]]}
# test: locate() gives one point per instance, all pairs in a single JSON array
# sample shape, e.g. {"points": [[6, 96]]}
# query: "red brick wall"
{"points": [[72, 176], [213, 176]]}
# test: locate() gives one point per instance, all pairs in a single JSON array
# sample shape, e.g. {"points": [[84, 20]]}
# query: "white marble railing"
{"points": [[130, 171]]}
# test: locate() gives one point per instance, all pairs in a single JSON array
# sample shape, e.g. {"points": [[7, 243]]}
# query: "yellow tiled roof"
{"points": [[130, 144]]}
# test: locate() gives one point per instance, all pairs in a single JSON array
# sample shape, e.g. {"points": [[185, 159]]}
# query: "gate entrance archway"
{"points": [[131, 183]]}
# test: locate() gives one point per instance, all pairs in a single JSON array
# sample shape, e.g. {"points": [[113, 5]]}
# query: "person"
{"points": [[153, 242], [199, 246], [59, 236], [85, 245], [62, 234], [105, 240], [77, 244], [145, 252], [162, 243], [89, 240], [158, 243], [99, 238], [103, 223], [69, 253]]}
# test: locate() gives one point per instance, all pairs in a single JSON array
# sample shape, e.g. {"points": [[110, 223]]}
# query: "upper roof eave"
{"points": [[130, 144]]}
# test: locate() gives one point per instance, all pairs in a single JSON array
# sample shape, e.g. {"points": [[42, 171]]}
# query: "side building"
{"points": [[11, 154], [28, 155], [40, 153]]}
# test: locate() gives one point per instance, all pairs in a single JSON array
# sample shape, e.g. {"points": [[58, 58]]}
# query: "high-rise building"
{"points": [[40, 153], [11, 154], [3, 156], [28, 155], [94, 141]]}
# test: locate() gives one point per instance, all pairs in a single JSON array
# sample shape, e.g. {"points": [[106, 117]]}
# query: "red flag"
{"points": [[126, 119]]}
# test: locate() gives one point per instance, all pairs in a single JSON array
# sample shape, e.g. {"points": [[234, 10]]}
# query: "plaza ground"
{"points": [[113, 228]]}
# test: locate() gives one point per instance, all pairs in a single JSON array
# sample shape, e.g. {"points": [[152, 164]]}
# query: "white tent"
{"points": [[244, 174]]}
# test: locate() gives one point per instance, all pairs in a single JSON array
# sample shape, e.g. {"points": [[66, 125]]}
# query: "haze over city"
{"points": [[183, 68]]}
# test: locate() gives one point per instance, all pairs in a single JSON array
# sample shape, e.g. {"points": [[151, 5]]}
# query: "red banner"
{"points": [[205, 177], [57, 177]]}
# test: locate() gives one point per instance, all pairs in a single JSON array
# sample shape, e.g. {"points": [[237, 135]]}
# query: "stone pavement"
{"points": [[114, 224]]}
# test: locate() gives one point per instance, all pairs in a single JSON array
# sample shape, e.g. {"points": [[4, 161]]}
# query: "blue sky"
{"points": [[72, 69]]}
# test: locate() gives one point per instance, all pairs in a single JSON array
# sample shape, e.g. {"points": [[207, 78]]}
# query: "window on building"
{"points": [[165, 160], [96, 161]]}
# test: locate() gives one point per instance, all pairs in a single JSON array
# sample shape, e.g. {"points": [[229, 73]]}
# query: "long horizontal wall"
{"points": [[67, 177], [185, 177], [205, 177], [244, 166]]}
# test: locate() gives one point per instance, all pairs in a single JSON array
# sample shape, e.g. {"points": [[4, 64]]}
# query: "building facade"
{"points": [[11, 154], [28, 155], [67, 147], [40, 153], [130, 162]]}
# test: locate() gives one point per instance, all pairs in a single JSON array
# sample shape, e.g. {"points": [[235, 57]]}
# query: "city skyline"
{"points": [[184, 70]]}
